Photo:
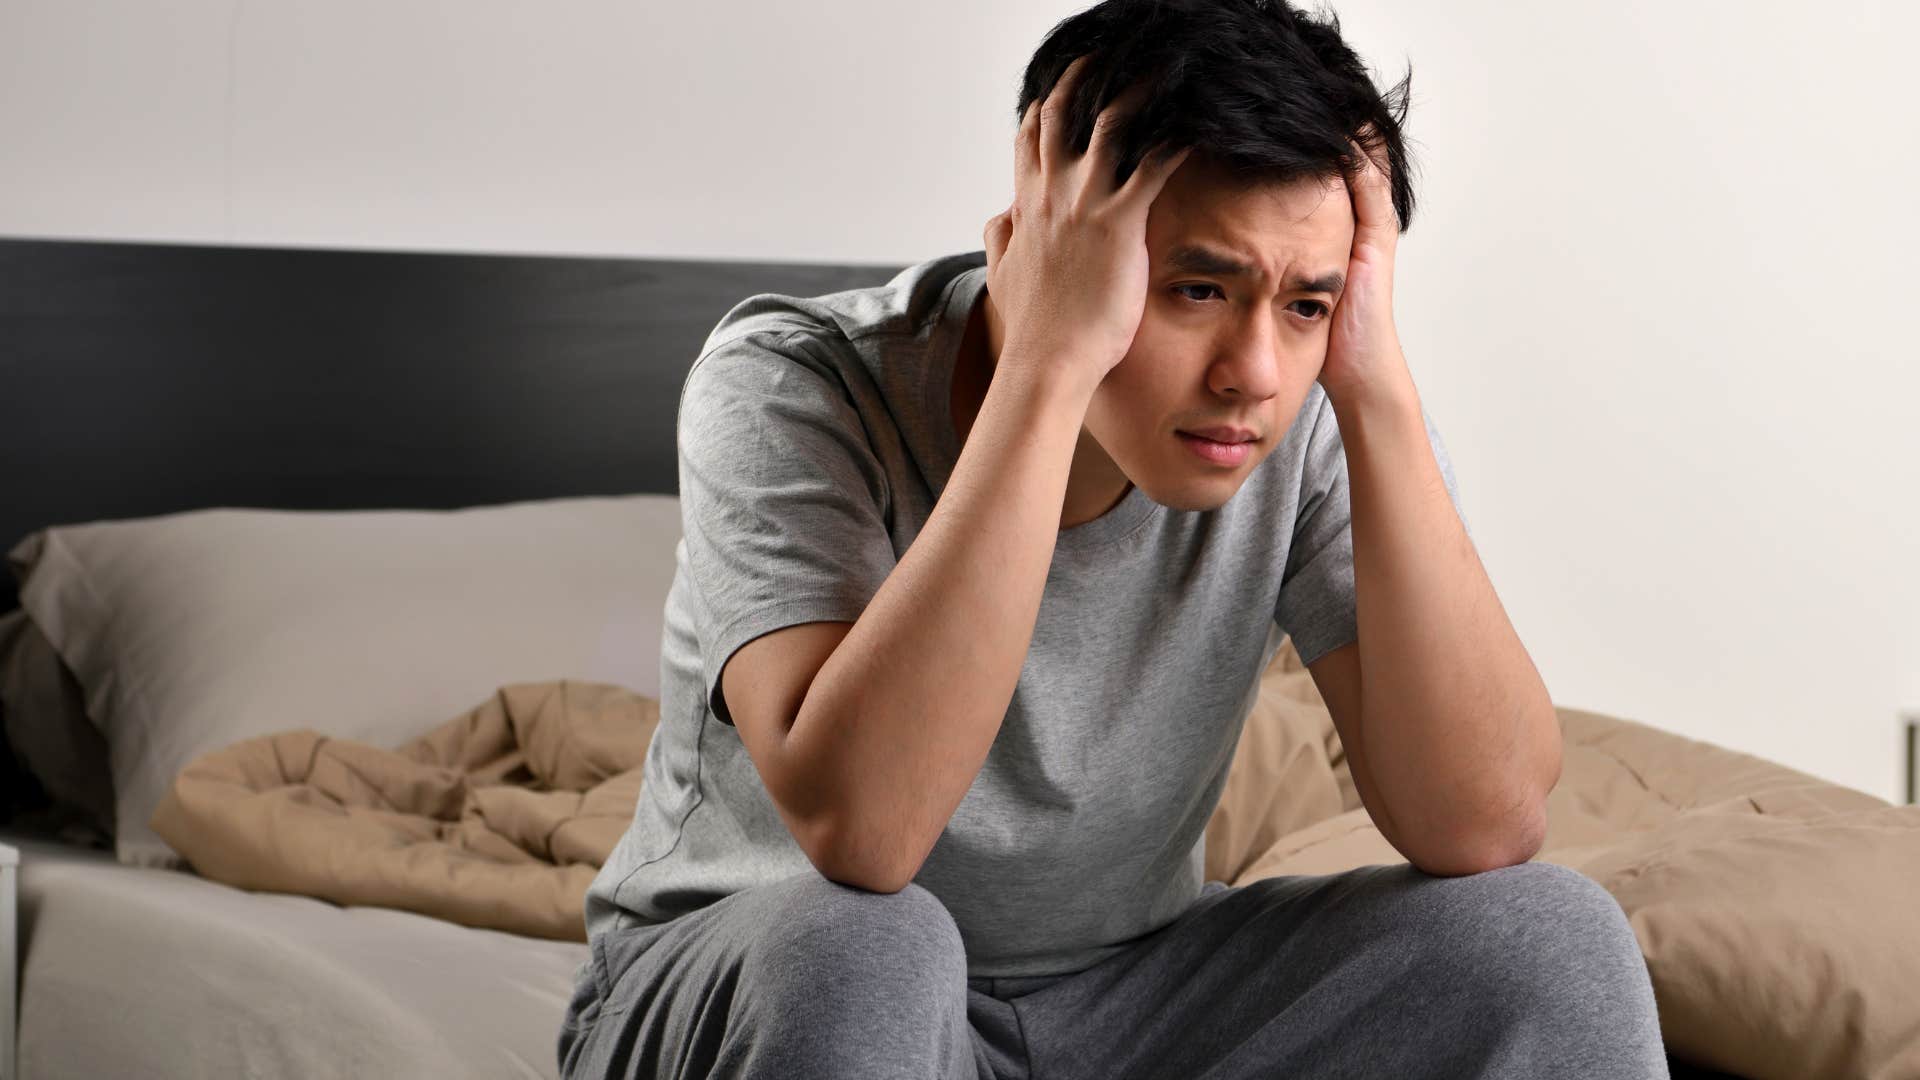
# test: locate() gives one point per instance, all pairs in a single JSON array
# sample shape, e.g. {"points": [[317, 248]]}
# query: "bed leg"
{"points": [[10, 958]]}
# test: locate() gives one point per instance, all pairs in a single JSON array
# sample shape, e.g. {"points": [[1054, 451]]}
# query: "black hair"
{"points": [[1262, 88]]}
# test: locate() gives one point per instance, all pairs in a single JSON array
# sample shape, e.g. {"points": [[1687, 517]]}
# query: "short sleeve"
{"points": [[782, 498], [1317, 599]]}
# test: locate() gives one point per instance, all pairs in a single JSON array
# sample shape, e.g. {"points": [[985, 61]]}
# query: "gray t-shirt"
{"points": [[815, 435]]}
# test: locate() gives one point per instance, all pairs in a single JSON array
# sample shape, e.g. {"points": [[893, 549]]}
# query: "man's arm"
{"points": [[1452, 739], [1449, 731], [889, 733], [868, 758]]}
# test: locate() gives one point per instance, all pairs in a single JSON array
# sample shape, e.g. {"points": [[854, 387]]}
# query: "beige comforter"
{"points": [[1779, 914], [497, 818]]}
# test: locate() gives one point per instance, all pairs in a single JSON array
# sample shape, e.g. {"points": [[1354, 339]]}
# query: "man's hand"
{"points": [[1363, 349], [1067, 262]]}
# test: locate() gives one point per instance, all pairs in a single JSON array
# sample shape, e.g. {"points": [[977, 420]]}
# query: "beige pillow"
{"points": [[192, 631], [1779, 945]]}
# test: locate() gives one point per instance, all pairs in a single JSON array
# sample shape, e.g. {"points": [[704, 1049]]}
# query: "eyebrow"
{"points": [[1197, 259]]}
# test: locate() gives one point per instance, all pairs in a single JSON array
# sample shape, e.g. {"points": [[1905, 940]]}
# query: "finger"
{"points": [[1151, 175], [1026, 146], [1373, 214], [1103, 150], [1053, 117]]}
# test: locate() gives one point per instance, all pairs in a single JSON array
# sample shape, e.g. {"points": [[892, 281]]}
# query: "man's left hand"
{"points": [[1363, 349]]}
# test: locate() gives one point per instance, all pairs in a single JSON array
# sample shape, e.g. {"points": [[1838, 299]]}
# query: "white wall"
{"points": [[1656, 295]]}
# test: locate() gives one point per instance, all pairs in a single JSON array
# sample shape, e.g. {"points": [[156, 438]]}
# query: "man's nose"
{"points": [[1248, 364]]}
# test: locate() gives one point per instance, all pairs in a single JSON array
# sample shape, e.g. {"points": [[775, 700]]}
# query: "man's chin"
{"points": [[1195, 494]]}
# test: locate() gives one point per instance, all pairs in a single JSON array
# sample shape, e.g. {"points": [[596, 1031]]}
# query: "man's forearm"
{"points": [[1460, 736], [900, 718]]}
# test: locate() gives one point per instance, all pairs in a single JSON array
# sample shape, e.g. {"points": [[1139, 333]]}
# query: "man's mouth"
{"points": [[1222, 434], [1220, 446]]}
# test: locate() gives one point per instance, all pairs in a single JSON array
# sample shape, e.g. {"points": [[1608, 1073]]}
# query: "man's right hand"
{"points": [[1067, 262]]}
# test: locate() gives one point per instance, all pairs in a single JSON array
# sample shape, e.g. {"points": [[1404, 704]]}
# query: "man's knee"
{"points": [[1542, 938], [817, 929]]}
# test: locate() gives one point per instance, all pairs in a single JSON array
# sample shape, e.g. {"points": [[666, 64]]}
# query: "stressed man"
{"points": [[979, 571]]}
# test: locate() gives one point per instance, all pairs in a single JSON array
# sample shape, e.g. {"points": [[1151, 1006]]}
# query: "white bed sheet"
{"points": [[138, 972]]}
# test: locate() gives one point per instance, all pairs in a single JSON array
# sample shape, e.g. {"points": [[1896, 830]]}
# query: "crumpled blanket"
{"points": [[498, 818]]}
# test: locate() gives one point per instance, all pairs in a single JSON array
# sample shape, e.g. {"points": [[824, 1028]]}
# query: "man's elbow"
{"points": [[1489, 847], [1496, 839]]}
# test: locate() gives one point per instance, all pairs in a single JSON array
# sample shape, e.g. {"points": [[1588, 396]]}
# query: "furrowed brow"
{"points": [[1196, 259], [1331, 282]]}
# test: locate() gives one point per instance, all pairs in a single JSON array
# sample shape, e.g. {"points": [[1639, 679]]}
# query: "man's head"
{"points": [[1268, 99]]}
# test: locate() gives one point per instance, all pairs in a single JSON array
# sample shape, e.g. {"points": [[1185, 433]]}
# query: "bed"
{"points": [[154, 392]]}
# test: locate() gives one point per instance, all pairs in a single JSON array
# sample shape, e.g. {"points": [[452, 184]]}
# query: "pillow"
{"points": [[44, 716], [1779, 945], [189, 632]]}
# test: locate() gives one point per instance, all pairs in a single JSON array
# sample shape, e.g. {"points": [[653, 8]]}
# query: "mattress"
{"points": [[131, 972]]}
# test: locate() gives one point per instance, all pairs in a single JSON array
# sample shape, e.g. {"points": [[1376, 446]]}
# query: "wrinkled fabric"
{"points": [[498, 818]]}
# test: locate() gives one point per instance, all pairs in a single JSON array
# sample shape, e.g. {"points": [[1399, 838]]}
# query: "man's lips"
{"points": [[1232, 447], [1222, 434]]}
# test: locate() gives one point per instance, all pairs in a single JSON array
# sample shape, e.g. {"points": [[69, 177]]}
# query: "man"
{"points": [[979, 572]]}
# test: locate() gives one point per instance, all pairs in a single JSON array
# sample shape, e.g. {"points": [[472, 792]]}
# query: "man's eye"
{"points": [[1195, 299], [1311, 309]]}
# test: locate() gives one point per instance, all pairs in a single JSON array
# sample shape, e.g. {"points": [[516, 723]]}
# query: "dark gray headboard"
{"points": [[141, 379]]}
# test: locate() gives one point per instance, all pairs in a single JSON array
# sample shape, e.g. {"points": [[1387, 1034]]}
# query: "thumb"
{"points": [[998, 233]]}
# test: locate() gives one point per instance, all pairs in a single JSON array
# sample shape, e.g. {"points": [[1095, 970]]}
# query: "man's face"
{"points": [[1217, 348]]}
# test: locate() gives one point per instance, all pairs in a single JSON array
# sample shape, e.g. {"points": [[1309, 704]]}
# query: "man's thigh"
{"points": [[1526, 971]]}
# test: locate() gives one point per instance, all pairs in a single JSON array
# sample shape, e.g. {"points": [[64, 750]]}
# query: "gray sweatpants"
{"points": [[1528, 971]]}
